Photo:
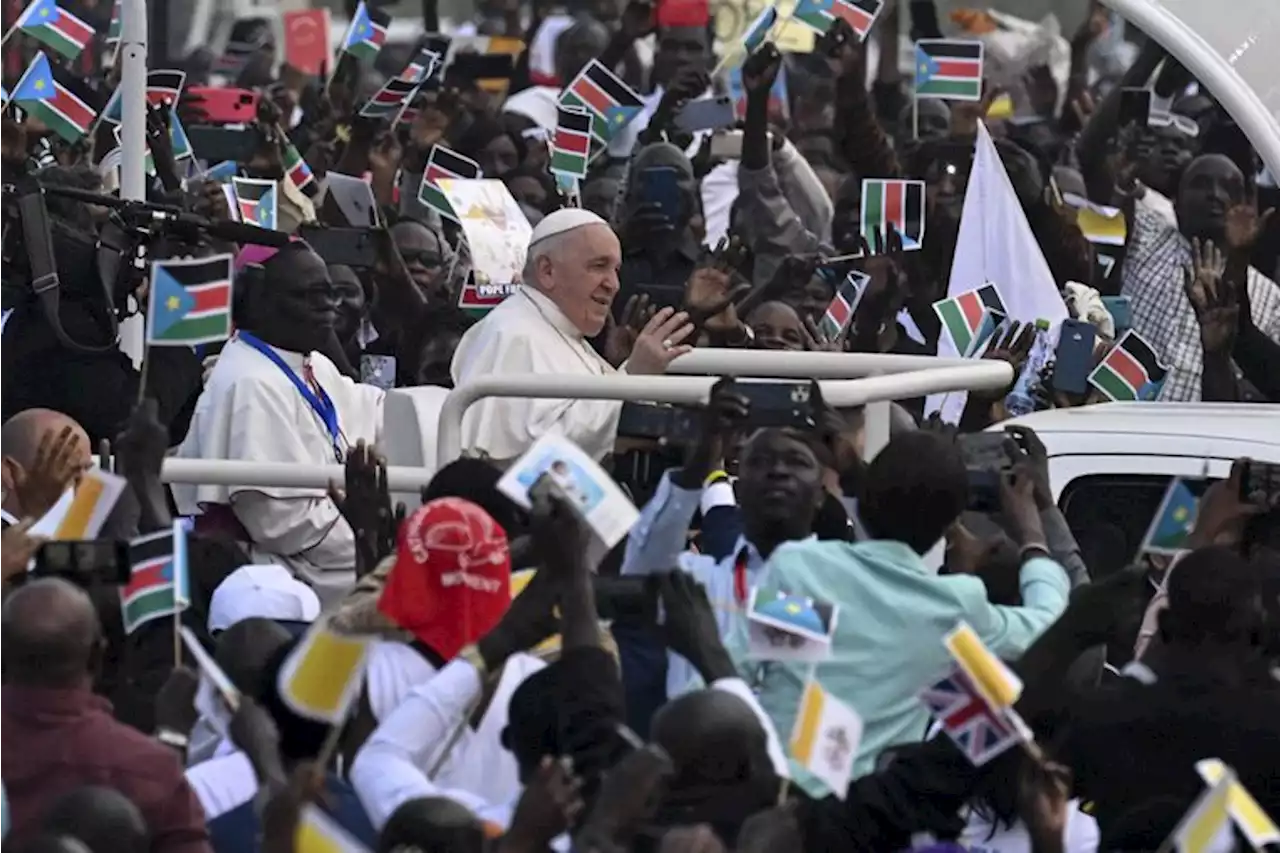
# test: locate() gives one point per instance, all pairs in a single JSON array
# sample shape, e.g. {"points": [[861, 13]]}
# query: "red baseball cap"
{"points": [[451, 581]]}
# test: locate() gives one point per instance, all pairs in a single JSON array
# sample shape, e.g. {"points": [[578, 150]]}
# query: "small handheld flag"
{"points": [[82, 511], [152, 592], [256, 201], [892, 202], [190, 301], [367, 33], [760, 28], [1260, 829], [949, 69], [826, 737], [323, 675], [997, 685], [980, 732], [390, 99], [209, 668], [1131, 371], [318, 833], [571, 148], [821, 14], [425, 66], [45, 21], [444, 164], [974, 703], [1100, 225], [612, 103], [64, 112], [298, 172], [839, 313], [972, 317], [36, 83], [1173, 521], [1206, 821], [164, 86]]}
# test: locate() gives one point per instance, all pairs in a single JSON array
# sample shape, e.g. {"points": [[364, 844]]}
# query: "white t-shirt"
{"points": [[1079, 836]]}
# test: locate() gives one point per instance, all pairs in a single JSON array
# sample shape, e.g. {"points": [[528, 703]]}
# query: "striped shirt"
{"points": [[1154, 268]]}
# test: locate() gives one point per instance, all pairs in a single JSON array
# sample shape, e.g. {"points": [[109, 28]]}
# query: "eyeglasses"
{"points": [[424, 257]]}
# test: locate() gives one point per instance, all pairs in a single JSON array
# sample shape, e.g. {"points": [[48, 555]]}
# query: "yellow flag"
{"points": [[1001, 107], [319, 833], [1260, 829], [1204, 822], [322, 677], [826, 737], [82, 515], [993, 680]]}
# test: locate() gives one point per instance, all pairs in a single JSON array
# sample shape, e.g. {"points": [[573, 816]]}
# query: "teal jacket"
{"points": [[893, 613]]}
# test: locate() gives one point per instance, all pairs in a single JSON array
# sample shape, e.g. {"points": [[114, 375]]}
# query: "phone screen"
{"points": [[1074, 360], [661, 187]]}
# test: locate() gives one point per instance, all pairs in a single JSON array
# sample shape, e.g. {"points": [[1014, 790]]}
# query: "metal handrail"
{"points": [[687, 390]]}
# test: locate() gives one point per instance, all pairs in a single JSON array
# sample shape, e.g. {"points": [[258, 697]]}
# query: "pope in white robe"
{"points": [[251, 411], [570, 281]]}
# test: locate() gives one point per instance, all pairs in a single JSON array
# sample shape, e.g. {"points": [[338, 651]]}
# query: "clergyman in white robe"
{"points": [[250, 411], [528, 334]]}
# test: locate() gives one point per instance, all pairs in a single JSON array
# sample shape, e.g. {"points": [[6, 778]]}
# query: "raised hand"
{"points": [[761, 70], [660, 342], [365, 503], [1244, 226], [59, 461], [549, 805], [1212, 297], [620, 338]]}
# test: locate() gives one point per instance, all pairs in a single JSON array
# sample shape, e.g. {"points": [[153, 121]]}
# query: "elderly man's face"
{"points": [[581, 276]]}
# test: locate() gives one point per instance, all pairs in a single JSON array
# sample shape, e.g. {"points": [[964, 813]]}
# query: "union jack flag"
{"points": [[979, 731]]}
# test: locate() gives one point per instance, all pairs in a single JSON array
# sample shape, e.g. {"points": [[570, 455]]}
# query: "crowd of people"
{"points": [[519, 689]]}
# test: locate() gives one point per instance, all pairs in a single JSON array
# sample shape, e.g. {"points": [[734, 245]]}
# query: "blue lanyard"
{"points": [[320, 404]]}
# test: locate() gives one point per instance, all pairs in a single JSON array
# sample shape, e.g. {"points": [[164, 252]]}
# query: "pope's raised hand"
{"points": [[660, 342]]}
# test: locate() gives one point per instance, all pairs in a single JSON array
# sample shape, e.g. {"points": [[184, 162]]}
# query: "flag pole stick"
{"points": [[142, 373], [177, 632], [330, 745], [10, 31]]}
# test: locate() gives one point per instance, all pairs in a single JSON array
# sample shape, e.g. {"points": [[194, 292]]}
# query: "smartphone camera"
{"points": [[85, 562]]}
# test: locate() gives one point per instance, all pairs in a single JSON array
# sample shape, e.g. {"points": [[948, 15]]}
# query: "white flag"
{"points": [[995, 244], [825, 738]]}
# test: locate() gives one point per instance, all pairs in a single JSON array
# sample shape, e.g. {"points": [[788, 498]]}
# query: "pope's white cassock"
{"points": [[251, 411], [528, 334]]}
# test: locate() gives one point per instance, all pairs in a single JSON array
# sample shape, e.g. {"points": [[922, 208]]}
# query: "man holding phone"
{"points": [[659, 248]]}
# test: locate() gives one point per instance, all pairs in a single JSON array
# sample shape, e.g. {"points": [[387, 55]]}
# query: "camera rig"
{"points": [[28, 259]]}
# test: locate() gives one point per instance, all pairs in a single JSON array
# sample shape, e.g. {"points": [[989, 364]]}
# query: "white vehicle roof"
{"points": [[1213, 430]]}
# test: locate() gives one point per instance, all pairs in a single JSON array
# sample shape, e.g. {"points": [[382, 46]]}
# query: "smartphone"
{"points": [[222, 106], [354, 199], [378, 370], [706, 114], [660, 186], [1074, 359], [353, 247], [781, 404], [1121, 310], [1135, 107], [986, 458], [726, 145], [85, 562], [467, 68], [1260, 484], [222, 144]]}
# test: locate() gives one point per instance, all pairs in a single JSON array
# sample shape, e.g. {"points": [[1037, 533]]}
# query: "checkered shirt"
{"points": [[1162, 314]]}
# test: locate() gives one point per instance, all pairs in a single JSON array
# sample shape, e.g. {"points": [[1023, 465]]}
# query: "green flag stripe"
{"points": [[56, 40], [957, 326], [54, 118], [953, 88], [569, 163], [146, 606], [1112, 385], [197, 330]]}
